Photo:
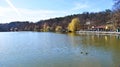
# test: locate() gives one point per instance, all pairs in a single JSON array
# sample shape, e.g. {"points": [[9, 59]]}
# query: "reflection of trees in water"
{"points": [[83, 43], [118, 36], [105, 41], [100, 40], [74, 39], [109, 43]]}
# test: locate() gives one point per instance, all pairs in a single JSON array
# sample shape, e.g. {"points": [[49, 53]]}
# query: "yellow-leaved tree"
{"points": [[74, 25], [46, 27], [58, 29]]}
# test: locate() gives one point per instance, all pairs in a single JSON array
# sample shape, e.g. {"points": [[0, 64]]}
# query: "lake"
{"points": [[45, 49]]}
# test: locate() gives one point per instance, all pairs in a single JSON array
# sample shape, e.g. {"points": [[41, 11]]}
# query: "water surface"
{"points": [[37, 49]]}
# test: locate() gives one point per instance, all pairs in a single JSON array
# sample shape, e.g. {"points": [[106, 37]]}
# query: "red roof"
{"points": [[100, 26]]}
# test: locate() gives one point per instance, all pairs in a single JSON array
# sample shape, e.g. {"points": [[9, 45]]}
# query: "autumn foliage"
{"points": [[74, 25]]}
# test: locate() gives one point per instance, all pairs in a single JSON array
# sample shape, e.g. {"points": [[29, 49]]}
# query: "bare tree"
{"points": [[117, 4], [116, 13]]}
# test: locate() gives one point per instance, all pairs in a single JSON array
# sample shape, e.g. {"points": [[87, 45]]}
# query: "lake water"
{"points": [[37, 49]]}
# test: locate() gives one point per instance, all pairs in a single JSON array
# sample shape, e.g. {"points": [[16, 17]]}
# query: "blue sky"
{"points": [[35, 10]]}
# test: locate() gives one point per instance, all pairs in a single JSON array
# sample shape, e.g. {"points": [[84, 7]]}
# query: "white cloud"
{"points": [[13, 7], [8, 15], [35, 15]]}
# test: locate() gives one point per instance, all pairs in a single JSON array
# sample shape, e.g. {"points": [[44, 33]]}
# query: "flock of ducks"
{"points": [[86, 53]]}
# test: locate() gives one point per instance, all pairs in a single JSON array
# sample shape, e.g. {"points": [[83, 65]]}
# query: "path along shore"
{"points": [[98, 32]]}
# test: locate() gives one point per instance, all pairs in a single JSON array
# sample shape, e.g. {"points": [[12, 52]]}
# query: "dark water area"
{"points": [[45, 49]]}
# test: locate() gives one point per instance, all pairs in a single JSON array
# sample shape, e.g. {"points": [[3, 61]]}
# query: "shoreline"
{"points": [[98, 32]]}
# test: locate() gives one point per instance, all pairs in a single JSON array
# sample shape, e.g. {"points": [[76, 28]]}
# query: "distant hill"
{"points": [[86, 18]]}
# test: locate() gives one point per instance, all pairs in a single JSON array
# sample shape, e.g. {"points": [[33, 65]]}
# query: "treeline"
{"points": [[98, 18], [62, 24]]}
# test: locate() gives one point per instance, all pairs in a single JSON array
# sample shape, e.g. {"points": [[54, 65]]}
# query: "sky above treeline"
{"points": [[35, 10]]}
